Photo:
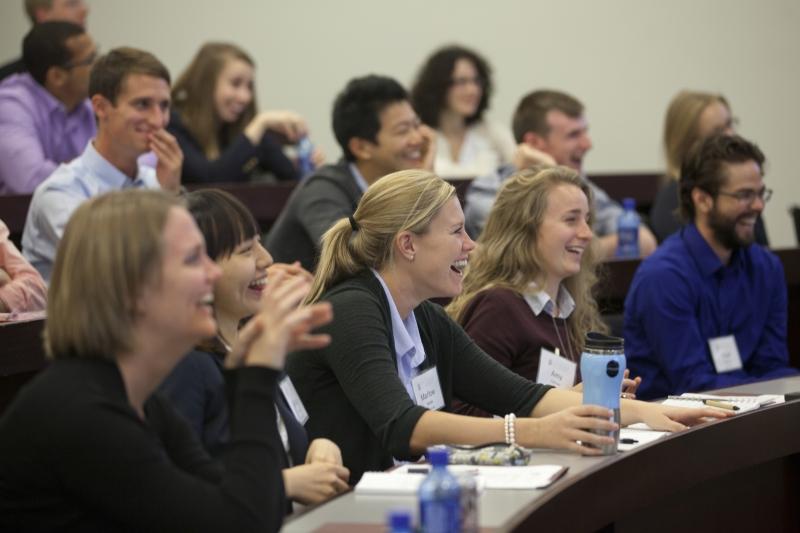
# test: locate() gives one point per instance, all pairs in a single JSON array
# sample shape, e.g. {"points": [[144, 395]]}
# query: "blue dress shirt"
{"points": [[683, 295], [408, 346], [59, 196]]}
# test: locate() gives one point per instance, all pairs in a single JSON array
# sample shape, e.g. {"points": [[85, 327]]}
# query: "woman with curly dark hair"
{"points": [[451, 94]]}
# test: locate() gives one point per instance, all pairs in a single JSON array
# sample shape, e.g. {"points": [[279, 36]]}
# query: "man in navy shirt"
{"points": [[708, 308]]}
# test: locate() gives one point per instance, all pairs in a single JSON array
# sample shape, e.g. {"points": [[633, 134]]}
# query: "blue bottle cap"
{"points": [[437, 456], [629, 203], [400, 520]]}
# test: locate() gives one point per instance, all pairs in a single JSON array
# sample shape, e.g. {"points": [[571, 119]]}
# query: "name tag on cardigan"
{"points": [[427, 390], [725, 353], [293, 399], [555, 370]]}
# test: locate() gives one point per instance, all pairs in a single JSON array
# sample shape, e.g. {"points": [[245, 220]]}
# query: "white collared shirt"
{"points": [[407, 342], [539, 301]]}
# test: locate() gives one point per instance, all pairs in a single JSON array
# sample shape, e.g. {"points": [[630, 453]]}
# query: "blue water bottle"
{"points": [[305, 164], [400, 522], [602, 366], [439, 496], [628, 231]]}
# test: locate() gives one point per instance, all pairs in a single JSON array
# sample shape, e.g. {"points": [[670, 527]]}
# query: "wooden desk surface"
{"points": [[741, 474]]}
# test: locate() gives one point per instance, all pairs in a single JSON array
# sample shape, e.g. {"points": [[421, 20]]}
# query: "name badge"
{"points": [[725, 353], [427, 390], [293, 399], [555, 370]]}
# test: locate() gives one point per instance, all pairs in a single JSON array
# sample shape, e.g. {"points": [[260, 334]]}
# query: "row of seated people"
{"points": [[48, 120], [402, 243]]}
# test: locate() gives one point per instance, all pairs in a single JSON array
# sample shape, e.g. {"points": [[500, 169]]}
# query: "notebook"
{"points": [[743, 403]]}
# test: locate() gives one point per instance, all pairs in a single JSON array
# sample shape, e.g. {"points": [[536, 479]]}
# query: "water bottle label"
{"points": [[440, 516]]}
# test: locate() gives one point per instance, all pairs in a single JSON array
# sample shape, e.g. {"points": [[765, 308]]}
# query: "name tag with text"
{"points": [[555, 370], [725, 353], [427, 390]]}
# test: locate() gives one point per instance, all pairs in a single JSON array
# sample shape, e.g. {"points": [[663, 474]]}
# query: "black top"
{"points": [[196, 388], [327, 195], [12, 67], [664, 218], [237, 160], [352, 391], [74, 455]]}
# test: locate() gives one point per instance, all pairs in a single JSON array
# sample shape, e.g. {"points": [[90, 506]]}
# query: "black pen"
{"points": [[628, 441]]}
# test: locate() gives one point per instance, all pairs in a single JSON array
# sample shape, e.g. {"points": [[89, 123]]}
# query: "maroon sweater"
{"points": [[502, 323]]}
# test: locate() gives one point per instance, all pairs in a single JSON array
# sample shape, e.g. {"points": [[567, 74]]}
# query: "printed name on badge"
{"points": [[725, 353], [427, 390], [555, 370]]}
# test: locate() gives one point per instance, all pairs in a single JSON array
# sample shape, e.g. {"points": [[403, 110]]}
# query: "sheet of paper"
{"points": [[402, 481], [744, 403], [639, 433]]}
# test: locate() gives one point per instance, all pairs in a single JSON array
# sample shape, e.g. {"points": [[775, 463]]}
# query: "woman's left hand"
{"points": [[669, 418], [323, 451]]}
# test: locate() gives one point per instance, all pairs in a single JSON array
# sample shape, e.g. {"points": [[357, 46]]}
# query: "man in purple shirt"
{"points": [[45, 115]]}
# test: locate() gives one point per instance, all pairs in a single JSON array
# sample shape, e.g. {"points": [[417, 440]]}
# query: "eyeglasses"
{"points": [[748, 196], [90, 59], [462, 82]]}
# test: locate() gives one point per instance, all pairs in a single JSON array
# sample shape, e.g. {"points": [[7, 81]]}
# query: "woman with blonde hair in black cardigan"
{"points": [[383, 389]]}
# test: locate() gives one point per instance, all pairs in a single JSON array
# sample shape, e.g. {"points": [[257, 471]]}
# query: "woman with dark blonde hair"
{"points": [[691, 117], [529, 284], [218, 126], [383, 389], [87, 446]]}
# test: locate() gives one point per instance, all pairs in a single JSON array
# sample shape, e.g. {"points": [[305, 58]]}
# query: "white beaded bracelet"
{"points": [[510, 429]]}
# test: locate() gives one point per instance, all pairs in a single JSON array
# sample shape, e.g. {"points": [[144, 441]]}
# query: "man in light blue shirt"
{"points": [[130, 94]]}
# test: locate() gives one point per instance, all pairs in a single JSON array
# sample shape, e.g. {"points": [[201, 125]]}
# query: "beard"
{"points": [[724, 229]]}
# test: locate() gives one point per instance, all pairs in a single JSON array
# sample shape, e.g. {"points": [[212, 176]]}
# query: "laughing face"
{"points": [[568, 139], [234, 90], [732, 220], [399, 143], [442, 253], [141, 109], [178, 306], [244, 276], [563, 235]]}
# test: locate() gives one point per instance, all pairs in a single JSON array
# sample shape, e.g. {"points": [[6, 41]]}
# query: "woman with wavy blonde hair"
{"points": [[529, 283], [384, 387]]}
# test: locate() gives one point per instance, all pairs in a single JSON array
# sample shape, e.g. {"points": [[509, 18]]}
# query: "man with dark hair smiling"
{"points": [[130, 94], [379, 133], [708, 309], [45, 115]]}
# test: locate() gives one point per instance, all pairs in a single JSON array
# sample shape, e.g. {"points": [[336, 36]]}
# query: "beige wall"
{"points": [[623, 58]]}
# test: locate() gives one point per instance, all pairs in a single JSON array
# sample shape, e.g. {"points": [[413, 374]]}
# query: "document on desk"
{"points": [[407, 478], [738, 404], [632, 437]]}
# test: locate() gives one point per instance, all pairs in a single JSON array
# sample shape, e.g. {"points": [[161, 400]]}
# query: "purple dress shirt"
{"points": [[37, 134]]}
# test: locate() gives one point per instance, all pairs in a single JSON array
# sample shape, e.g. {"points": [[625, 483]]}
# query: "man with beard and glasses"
{"points": [[708, 309]]}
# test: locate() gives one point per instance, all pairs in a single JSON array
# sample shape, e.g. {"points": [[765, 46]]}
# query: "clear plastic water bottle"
{"points": [[628, 231], [439, 496], [399, 522], [305, 164]]}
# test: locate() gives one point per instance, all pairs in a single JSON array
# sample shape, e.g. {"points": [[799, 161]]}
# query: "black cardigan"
{"points": [[354, 396], [74, 456]]}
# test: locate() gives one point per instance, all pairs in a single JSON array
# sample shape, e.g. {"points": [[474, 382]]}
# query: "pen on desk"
{"points": [[628, 441], [721, 405]]}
